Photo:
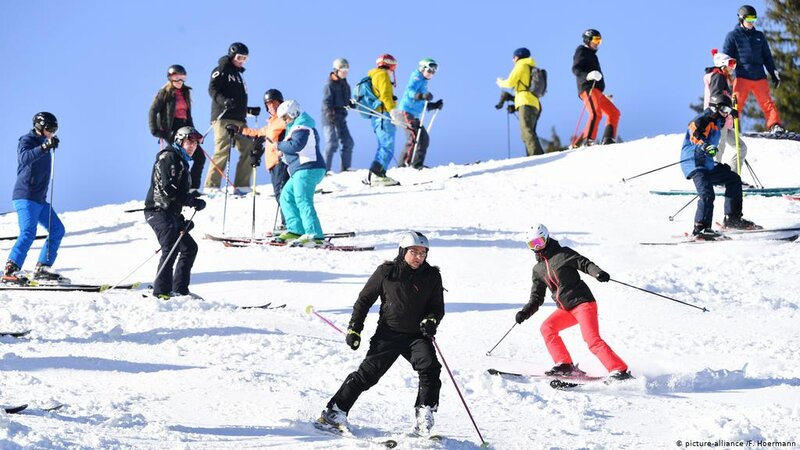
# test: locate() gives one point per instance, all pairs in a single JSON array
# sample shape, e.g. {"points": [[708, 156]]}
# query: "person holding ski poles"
{"points": [[591, 85], [383, 88], [335, 100], [274, 131], [557, 268], [169, 192], [300, 151], [698, 165], [34, 171], [524, 101], [228, 93], [415, 98], [412, 307], [717, 83]]}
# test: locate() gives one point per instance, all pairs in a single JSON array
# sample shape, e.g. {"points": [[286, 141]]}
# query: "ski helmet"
{"points": [[746, 10], [272, 94], [522, 52], [537, 237], [187, 132], [722, 60], [341, 64], [720, 100], [428, 64], [237, 48], [45, 121], [590, 34], [289, 108], [386, 61], [176, 69], [412, 239]]}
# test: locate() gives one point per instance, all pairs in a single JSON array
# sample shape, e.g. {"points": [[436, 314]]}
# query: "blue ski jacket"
{"points": [[703, 130], [301, 146], [751, 51], [33, 169], [417, 84]]}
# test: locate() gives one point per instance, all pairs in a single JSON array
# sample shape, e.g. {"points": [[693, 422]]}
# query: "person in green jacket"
{"points": [[524, 101]]}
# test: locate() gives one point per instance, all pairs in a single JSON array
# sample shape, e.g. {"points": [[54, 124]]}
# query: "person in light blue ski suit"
{"points": [[34, 160], [415, 98], [300, 151]]}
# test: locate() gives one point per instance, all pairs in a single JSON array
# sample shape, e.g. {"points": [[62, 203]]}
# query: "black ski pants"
{"points": [[167, 227], [279, 175], [384, 348], [705, 181]]}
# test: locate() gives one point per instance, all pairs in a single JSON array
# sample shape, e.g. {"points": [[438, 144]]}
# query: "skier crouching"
{"points": [[557, 268], [412, 306]]}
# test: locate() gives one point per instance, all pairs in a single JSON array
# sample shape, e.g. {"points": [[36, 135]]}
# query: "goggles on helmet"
{"points": [[751, 18], [240, 58], [731, 63], [597, 40], [537, 243]]}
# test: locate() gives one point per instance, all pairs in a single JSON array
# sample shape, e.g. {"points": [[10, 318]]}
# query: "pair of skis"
{"points": [[321, 425], [561, 383], [33, 285], [18, 409], [231, 241], [787, 234]]}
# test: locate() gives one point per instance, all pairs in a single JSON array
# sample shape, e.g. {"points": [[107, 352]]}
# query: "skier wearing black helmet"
{"points": [[172, 110], [591, 86], [228, 93]]}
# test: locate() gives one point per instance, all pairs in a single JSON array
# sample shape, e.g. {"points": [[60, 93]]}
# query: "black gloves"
{"points": [[523, 315], [352, 338], [734, 114], [50, 144], [197, 203], [186, 225], [230, 104], [352, 103], [428, 326], [776, 79], [254, 110], [257, 151], [426, 96], [232, 129], [436, 105], [511, 109], [603, 276]]}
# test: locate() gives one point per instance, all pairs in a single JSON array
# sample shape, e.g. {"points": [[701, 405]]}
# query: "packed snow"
{"points": [[140, 373]]}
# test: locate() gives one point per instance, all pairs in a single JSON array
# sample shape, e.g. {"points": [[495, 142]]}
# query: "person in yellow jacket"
{"points": [[524, 101], [383, 88]]}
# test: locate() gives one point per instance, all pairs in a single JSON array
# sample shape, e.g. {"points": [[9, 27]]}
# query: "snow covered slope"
{"points": [[139, 373]]}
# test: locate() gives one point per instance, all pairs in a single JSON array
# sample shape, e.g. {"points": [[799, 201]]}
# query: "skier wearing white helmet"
{"points": [[717, 82], [335, 98]]}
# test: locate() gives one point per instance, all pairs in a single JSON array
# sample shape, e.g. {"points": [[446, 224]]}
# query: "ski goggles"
{"points": [[724, 109], [537, 243], [240, 58], [431, 69], [597, 40], [731, 63], [176, 78], [50, 128], [750, 19]]}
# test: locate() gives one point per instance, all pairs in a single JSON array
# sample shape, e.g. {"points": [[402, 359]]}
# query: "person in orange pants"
{"points": [[557, 268], [591, 85]]}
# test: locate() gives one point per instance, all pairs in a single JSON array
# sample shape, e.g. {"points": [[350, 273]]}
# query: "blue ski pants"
{"points": [[384, 131], [337, 133], [29, 214]]}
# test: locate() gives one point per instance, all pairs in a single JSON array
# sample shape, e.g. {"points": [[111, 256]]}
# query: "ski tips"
{"points": [[309, 309]]}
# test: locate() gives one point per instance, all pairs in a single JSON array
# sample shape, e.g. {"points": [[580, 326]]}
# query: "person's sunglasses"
{"points": [[537, 243], [240, 58]]}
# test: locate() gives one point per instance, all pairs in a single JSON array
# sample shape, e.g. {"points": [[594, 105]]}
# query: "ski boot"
{"points": [[777, 129], [308, 240], [11, 274], [333, 419], [565, 370], [739, 223], [703, 233], [43, 273], [285, 238], [424, 420], [617, 376]]}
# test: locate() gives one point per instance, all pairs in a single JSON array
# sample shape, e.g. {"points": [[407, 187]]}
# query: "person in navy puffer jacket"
{"points": [[34, 159], [335, 100]]}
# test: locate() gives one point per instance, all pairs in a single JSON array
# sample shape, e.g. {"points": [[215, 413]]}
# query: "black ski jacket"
{"points": [[584, 61], [227, 82], [162, 112], [557, 268], [169, 183], [407, 296]]}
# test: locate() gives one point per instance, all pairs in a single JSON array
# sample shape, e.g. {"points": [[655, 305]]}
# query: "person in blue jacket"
{"points": [[34, 165], [335, 99], [414, 100], [300, 151], [698, 165]]}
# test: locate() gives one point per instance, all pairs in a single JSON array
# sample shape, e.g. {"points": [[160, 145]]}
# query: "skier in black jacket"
{"points": [[591, 86], [172, 110], [557, 268], [228, 93], [168, 194], [412, 306]]}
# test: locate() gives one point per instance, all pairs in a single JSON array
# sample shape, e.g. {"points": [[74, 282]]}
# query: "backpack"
{"points": [[365, 96], [538, 85]]}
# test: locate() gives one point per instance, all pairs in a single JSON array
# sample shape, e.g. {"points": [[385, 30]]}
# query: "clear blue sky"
{"points": [[97, 66]]}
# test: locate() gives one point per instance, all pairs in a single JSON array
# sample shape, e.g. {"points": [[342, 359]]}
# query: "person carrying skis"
{"points": [[300, 151], [384, 128], [557, 268], [335, 100], [412, 307], [717, 82], [273, 131], [697, 163], [172, 110], [525, 102], [415, 98], [228, 93], [169, 192], [34, 170], [751, 50], [591, 85]]}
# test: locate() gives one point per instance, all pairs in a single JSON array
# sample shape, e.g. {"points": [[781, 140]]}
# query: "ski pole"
{"points": [[575, 136], [484, 444], [736, 134], [430, 124], [656, 170], [227, 183], [175, 246], [508, 135], [214, 121], [253, 225], [371, 112], [310, 310], [134, 270], [419, 133], [489, 353], [221, 172], [753, 174], [275, 222], [52, 188], [659, 295], [672, 217]]}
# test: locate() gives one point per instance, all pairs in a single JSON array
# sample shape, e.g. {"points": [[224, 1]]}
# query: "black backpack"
{"points": [[538, 85]]}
